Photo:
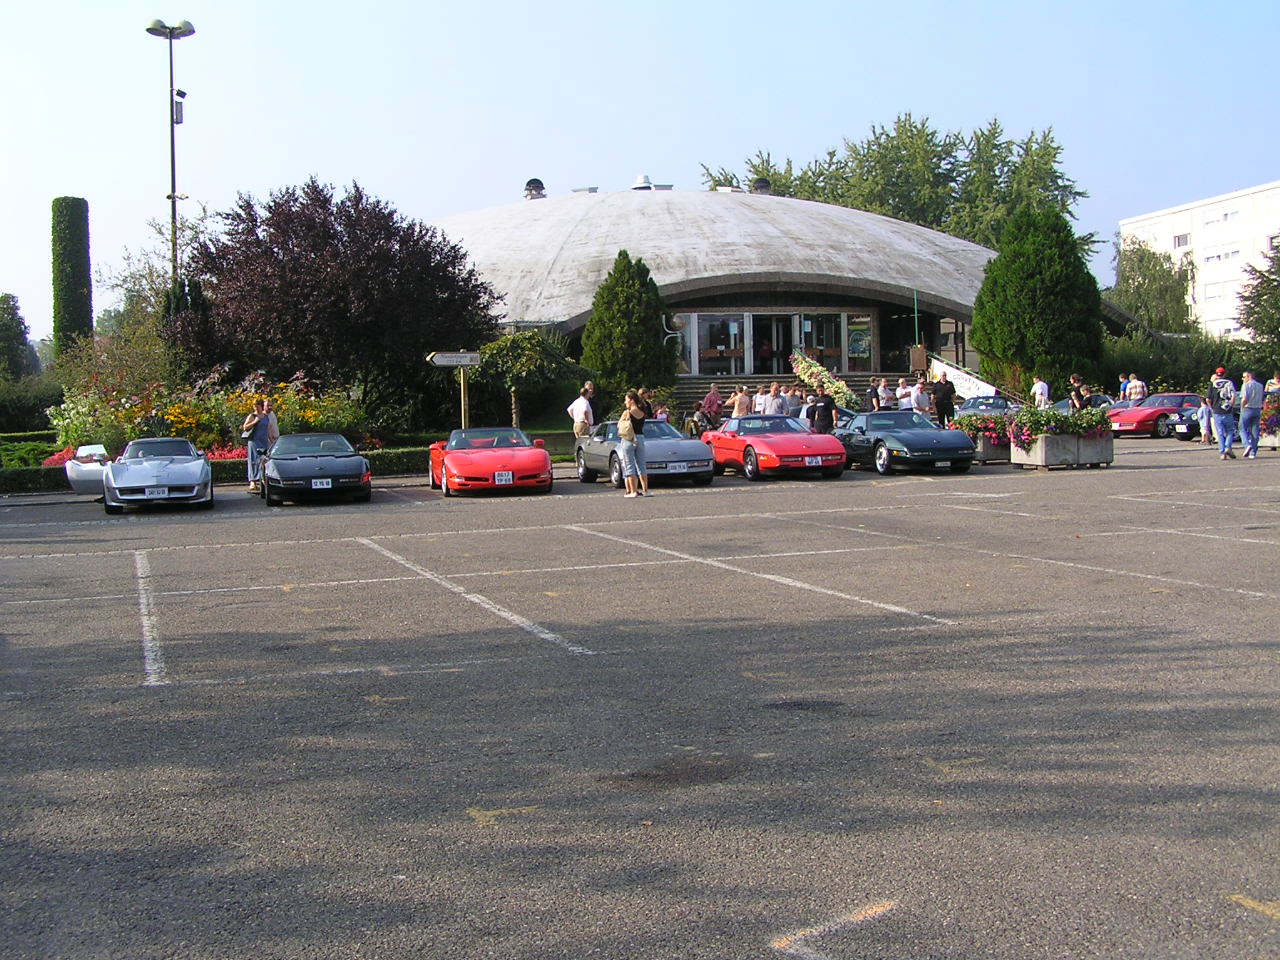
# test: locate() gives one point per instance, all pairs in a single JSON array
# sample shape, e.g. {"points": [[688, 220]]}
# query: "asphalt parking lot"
{"points": [[1005, 714]]}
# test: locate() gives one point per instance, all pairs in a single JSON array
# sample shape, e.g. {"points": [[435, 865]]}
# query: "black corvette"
{"points": [[305, 466], [885, 439]]}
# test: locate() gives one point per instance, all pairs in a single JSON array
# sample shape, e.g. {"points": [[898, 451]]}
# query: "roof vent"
{"points": [[586, 189], [728, 188], [761, 186], [644, 183], [534, 190]]}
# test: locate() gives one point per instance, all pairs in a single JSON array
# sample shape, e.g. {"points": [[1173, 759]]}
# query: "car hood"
{"points": [[157, 471], [791, 442], [673, 449], [924, 439], [311, 466], [501, 458], [1138, 414]]}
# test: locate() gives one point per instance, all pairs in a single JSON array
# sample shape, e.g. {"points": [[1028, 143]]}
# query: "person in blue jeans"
{"points": [[1222, 397], [1251, 397], [257, 425]]}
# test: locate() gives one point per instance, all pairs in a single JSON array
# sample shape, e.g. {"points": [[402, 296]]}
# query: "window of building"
{"points": [[1181, 240], [1213, 258], [1273, 242], [1213, 291]]}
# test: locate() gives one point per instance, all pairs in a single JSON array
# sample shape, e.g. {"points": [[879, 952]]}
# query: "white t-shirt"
{"points": [[580, 409], [904, 399], [919, 398], [1040, 394]]}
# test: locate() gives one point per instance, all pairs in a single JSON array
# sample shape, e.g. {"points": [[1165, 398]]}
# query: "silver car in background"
{"points": [[667, 453]]}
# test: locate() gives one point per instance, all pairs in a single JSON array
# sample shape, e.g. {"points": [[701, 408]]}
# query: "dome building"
{"points": [[749, 276]]}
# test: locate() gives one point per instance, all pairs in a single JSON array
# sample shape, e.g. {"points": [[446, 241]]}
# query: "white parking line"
{"points": [[773, 578], [152, 658], [514, 618], [1187, 503]]}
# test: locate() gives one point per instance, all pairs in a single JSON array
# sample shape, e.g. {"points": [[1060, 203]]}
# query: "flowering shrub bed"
{"points": [[1029, 423], [813, 373], [993, 426], [1271, 413]]}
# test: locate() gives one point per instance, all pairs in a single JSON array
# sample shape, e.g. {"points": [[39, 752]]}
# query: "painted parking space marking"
{"points": [[1269, 908], [152, 657], [772, 578], [795, 943], [1008, 513], [1190, 503], [542, 633]]}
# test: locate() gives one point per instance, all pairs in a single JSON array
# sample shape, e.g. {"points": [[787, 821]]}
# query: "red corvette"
{"points": [[1151, 416], [490, 458], [756, 446]]}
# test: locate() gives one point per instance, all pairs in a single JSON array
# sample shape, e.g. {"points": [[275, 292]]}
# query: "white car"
{"points": [[154, 470]]}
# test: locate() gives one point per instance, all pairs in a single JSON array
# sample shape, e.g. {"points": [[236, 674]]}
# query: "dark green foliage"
{"points": [[13, 338], [23, 402], [42, 479], [965, 185], [26, 453], [1152, 287], [1038, 309], [72, 282], [1260, 312], [624, 340], [1177, 362], [524, 369]]}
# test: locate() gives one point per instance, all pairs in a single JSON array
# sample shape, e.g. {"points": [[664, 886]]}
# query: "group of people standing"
{"points": [[1224, 400], [938, 399]]}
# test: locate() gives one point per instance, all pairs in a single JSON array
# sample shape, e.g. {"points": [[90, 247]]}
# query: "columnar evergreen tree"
{"points": [[624, 340], [1038, 311], [13, 338], [72, 282]]}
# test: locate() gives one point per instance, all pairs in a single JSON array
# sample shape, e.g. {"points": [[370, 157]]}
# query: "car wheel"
{"points": [[271, 498], [112, 508], [751, 465], [881, 459], [431, 478], [717, 468], [1162, 428], [585, 473], [206, 504], [550, 484], [444, 481], [961, 466], [364, 496], [615, 472]]}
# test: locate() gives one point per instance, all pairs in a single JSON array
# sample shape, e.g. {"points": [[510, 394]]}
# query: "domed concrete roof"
{"points": [[548, 256]]}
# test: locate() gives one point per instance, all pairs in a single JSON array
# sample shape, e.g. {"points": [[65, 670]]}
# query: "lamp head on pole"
{"points": [[158, 28]]}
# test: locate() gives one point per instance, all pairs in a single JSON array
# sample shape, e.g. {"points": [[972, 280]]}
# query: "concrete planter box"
{"points": [[1271, 440], [1065, 450], [987, 452]]}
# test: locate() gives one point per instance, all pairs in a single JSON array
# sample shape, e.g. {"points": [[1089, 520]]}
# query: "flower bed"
{"points": [[813, 373], [1050, 438]]}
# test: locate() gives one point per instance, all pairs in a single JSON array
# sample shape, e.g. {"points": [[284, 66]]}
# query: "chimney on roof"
{"points": [[761, 186], [534, 190]]}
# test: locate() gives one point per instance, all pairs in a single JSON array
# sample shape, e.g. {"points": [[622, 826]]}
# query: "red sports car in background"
{"points": [[489, 458], [1151, 416], [756, 446]]}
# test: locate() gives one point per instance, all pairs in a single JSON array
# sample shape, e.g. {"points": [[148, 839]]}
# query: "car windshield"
{"points": [[1161, 400], [985, 403], [146, 449], [661, 430], [312, 445], [755, 425], [487, 438], [901, 420]]}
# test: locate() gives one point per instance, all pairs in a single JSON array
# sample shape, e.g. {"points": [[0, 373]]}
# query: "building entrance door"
{"points": [[771, 341]]}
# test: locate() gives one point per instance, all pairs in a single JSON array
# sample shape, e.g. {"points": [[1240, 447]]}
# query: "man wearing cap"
{"points": [[1222, 398]]}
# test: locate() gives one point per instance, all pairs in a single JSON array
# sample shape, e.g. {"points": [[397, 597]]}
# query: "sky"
{"points": [[439, 108]]}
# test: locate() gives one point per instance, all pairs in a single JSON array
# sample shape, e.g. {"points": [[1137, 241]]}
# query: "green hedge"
{"points": [[33, 480], [30, 436]]}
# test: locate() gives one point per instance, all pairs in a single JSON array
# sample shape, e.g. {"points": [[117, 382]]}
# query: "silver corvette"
{"points": [[667, 453], [154, 470]]}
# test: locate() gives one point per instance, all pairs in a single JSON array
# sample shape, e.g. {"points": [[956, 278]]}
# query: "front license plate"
{"points": [[680, 467], [504, 477], [157, 493], [1181, 427], [813, 461], [1115, 426], [325, 484], [944, 463]]}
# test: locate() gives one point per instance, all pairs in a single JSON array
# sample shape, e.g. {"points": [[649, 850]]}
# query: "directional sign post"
{"points": [[461, 359]]}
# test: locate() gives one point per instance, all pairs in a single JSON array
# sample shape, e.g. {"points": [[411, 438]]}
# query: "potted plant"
{"points": [[989, 433], [1270, 427], [1051, 438]]}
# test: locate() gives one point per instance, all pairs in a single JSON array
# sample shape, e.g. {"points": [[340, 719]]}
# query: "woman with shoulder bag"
{"points": [[627, 443], [254, 431]]}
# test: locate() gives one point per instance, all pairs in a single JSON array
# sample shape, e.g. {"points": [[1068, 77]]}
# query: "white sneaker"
{"points": [[629, 495]]}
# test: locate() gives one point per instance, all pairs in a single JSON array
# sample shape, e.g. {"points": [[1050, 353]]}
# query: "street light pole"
{"points": [[183, 28]]}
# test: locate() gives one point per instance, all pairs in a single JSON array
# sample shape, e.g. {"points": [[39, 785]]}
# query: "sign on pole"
{"points": [[461, 359]]}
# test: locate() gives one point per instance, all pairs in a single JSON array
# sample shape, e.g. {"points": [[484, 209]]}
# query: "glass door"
{"points": [[822, 338], [771, 342], [720, 350]]}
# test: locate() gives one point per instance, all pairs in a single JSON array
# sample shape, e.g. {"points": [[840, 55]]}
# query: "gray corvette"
{"points": [[153, 470], [667, 453]]}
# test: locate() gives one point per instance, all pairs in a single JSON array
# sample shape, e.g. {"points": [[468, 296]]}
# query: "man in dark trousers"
{"points": [[944, 399], [822, 412]]}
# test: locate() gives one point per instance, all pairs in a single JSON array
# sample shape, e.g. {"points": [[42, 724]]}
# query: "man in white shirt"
{"points": [[921, 402], [757, 402], [580, 412], [1040, 394], [775, 402], [903, 394]]}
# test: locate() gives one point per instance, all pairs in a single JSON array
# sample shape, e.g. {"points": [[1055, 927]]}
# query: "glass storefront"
{"points": [[729, 344]]}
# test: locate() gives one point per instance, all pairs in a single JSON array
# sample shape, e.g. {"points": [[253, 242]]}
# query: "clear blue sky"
{"points": [[439, 108]]}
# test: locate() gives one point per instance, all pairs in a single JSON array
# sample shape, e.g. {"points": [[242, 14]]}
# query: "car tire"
{"points": [[961, 466], [703, 479], [431, 478], [114, 509], [880, 457], [717, 468], [206, 504], [271, 498], [1162, 430], [615, 472], [751, 465], [364, 496], [585, 473], [444, 481], [550, 483], [833, 473]]}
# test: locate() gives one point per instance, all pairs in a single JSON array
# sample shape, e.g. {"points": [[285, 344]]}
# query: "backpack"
{"points": [[1226, 397]]}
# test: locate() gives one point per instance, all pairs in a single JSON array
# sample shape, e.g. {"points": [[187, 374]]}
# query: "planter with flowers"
{"points": [[989, 433], [1050, 438], [1270, 426]]}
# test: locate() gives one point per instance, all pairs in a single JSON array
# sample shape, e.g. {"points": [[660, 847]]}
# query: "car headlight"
{"points": [[895, 444]]}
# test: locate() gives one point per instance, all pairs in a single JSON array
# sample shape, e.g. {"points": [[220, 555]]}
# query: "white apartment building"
{"points": [[1220, 235]]}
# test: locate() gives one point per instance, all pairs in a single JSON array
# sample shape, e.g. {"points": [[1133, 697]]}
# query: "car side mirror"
{"points": [[730, 434], [539, 442]]}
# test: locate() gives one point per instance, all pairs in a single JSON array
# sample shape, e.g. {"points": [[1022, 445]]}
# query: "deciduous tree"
{"points": [[1152, 287]]}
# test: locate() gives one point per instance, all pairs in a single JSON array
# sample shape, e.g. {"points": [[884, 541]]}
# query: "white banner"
{"points": [[967, 384]]}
